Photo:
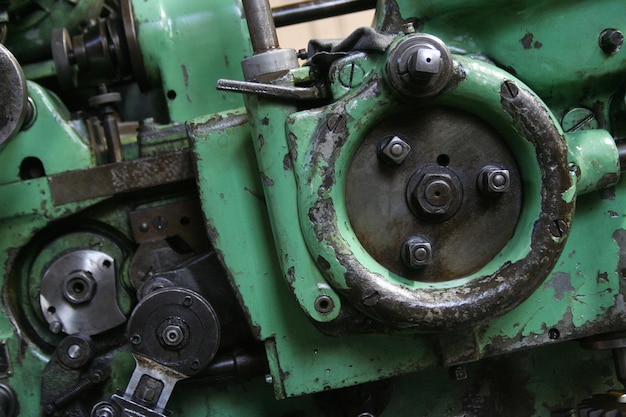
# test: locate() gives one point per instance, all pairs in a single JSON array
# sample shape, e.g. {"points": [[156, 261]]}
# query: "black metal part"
{"points": [[307, 11], [72, 378], [170, 306], [108, 180], [611, 40], [363, 400], [14, 103], [75, 351], [260, 24], [483, 297], [433, 193], [9, 405], [107, 48]]}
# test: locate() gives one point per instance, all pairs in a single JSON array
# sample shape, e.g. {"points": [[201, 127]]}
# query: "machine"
{"points": [[425, 218]]}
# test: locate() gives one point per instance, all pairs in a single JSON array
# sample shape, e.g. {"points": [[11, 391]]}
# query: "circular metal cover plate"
{"points": [[448, 141]]}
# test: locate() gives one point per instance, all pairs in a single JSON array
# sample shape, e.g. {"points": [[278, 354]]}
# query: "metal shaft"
{"points": [[621, 150], [261, 25], [317, 9]]}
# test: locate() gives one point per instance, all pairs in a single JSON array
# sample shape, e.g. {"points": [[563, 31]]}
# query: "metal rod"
{"points": [[260, 24], [271, 90], [621, 151], [318, 9]]}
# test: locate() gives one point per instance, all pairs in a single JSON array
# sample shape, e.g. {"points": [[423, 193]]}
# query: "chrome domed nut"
{"points": [[394, 150], [417, 252], [494, 180]]}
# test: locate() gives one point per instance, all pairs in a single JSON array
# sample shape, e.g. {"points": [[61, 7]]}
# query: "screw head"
{"points": [[494, 180], [611, 40], [417, 252], [135, 339], [393, 150]]}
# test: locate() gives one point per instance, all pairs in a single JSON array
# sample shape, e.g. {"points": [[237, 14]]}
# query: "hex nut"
{"points": [[394, 150], [494, 180], [417, 252], [437, 196]]}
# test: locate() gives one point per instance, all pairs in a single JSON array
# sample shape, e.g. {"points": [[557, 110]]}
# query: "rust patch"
{"points": [[561, 282], [323, 263], [287, 166], [267, 181], [607, 193], [261, 140], [265, 121], [254, 194], [527, 40], [185, 75]]}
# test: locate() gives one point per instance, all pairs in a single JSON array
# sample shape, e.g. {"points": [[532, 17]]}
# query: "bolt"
{"points": [[611, 40], [104, 410], [509, 90], [351, 75], [558, 228], [144, 227], [303, 54], [195, 364], [135, 339], [336, 123], [458, 373], [75, 352], [187, 301], [55, 327], [424, 63], [494, 180], [269, 379], [393, 150], [159, 223], [579, 118], [438, 194], [408, 28], [324, 304], [554, 334], [416, 252], [172, 335]]}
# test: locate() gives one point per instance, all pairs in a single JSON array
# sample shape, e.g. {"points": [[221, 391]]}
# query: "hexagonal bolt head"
{"points": [[417, 252], [394, 150], [494, 180]]}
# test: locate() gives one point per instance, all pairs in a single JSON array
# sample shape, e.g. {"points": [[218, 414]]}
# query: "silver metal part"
{"points": [[271, 90], [78, 293], [270, 62], [417, 252], [152, 383], [14, 103], [394, 150]]}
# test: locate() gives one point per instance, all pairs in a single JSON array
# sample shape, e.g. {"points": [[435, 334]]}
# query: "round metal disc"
{"points": [[184, 310], [455, 145], [14, 95]]}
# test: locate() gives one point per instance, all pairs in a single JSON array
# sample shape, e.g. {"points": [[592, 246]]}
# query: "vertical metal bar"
{"points": [[261, 25]]}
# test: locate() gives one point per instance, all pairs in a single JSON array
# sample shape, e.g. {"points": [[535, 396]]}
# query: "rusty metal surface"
{"points": [[108, 180], [457, 143]]}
